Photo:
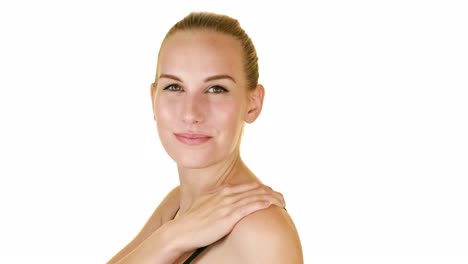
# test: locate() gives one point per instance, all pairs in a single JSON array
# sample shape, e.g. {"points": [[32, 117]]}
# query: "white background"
{"points": [[364, 128]]}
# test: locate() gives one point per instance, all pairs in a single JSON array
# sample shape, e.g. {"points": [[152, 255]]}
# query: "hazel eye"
{"points": [[173, 88], [217, 89]]}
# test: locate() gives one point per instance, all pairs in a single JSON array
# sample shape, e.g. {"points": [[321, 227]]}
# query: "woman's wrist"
{"points": [[168, 241], [159, 248]]}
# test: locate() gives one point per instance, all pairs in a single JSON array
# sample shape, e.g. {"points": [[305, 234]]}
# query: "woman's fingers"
{"points": [[281, 198], [262, 192], [267, 198], [240, 205], [245, 209], [214, 214]]}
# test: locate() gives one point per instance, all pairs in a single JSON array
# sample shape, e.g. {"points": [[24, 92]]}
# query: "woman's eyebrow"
{"points": [[211, 78], [169, 76], [217, 77]]}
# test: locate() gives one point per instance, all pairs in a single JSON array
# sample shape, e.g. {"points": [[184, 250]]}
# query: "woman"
{"points": [[206, 88]]}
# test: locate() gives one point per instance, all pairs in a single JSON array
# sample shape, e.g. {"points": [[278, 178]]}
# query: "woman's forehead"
{"points": [[195, 50]]}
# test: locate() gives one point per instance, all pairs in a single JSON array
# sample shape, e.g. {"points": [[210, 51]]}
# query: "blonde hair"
{"points": [[227, 25]]}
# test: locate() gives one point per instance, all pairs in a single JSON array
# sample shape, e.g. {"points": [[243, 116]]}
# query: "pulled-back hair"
{"points": [[227, 25]]}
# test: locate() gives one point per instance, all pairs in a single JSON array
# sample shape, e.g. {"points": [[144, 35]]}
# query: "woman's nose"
{"points": [[193, 109]]}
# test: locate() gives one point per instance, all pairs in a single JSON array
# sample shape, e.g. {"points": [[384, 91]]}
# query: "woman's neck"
{"points": [[195, 182]]}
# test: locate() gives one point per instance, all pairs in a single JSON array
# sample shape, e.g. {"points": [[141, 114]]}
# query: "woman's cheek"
{"points": [[229, 117], [164, 108]]}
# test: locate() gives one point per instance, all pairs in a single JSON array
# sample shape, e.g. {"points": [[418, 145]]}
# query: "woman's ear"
{"points": [[153, 98], [255, 103]]}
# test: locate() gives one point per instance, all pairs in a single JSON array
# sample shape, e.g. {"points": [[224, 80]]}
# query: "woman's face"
{"points": [[200, 99]]}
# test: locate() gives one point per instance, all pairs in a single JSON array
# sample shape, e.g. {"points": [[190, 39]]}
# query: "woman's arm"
{"points": [[158, 248], [211, 217], [163, 213]]}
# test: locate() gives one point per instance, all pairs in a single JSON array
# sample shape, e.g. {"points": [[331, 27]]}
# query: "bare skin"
{"points": [[220, 203], [264, 236], [250, 238], [211, 217]]}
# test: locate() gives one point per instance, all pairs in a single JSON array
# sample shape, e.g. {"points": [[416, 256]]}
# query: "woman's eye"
{"points": [[217, 89], [173, 88]]}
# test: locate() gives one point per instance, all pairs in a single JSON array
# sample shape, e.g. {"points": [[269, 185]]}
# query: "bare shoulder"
{"points": [[266, 236], [163, 213], [169, 205]]}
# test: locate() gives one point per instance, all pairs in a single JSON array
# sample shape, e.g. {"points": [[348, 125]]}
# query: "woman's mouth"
{"points": [[191, 138]]}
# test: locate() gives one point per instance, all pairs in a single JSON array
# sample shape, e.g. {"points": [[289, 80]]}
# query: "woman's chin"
{"points": [[196, 162], [193, 165]]}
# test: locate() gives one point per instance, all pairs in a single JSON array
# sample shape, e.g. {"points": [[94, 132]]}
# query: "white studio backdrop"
{"points": [[363, 129]]}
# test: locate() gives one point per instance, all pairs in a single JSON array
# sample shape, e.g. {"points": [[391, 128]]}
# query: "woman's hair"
{"points": [[227, 25]]}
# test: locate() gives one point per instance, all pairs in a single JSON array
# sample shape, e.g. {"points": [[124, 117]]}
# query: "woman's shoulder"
{"points": [[170, 204], [266, 236], [164, 212]]}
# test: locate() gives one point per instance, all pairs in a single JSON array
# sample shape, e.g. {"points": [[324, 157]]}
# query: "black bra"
{"points": [[196, 253]]}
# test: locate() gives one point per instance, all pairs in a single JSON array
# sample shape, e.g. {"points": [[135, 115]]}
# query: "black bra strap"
{"points": [[175, 213], [194, 255]]}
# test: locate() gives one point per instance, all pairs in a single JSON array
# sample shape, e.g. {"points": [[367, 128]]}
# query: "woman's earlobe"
{"points": [[255, 103], [153, 97]]}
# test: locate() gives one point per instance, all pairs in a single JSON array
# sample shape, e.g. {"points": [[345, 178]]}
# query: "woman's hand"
{"points": [[214, 215]]}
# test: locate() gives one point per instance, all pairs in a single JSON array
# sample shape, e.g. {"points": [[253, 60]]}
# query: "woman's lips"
{"points": [[192, 139]]}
